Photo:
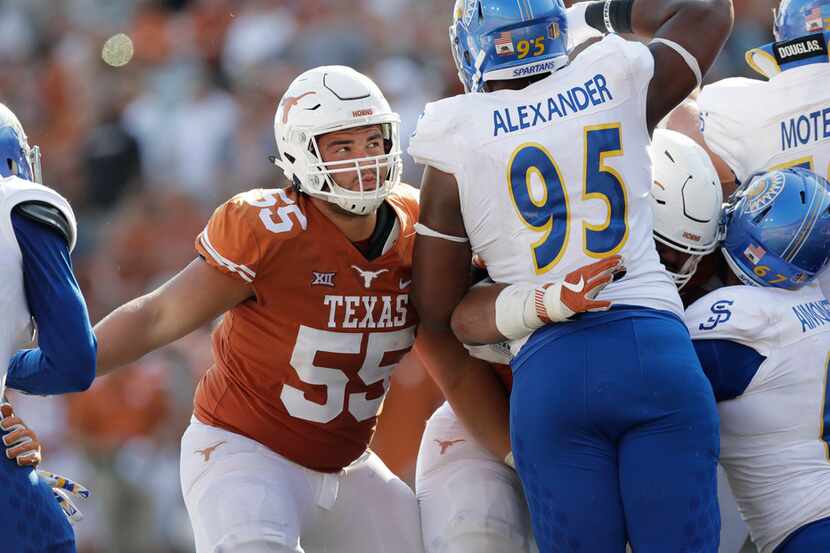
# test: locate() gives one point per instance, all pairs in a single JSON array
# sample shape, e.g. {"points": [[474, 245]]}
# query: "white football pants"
{"points": [[470, 501], [244, 498]]}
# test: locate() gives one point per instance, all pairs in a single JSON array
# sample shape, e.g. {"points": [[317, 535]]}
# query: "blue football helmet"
{"points": [[16, 157], [778, 228], [795, 18], [507, 39]]}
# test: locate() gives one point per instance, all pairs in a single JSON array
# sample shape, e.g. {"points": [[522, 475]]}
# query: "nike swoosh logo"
{"points": [[577, 288], [404, 283]]}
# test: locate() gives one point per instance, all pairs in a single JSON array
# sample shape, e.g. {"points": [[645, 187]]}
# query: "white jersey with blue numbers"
{"points": [[758, 125], [16, 328], [774, 436], [557, 175]]}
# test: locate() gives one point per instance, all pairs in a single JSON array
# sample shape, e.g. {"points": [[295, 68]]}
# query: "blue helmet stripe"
{"points": [[521, 11], [530, 13], [803, 231], [789, 242]]}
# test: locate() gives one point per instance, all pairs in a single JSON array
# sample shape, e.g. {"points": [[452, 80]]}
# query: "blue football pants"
{"points": [[31, 521], [810, 538], [615, 435]]}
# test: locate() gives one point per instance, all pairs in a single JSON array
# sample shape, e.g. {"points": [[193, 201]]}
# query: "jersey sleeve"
{"points": [[722, 123], [637, 69], [639, 59], [229, 243], [434, 140], [729, 366], [65, 359], [21, 192], [735, 314]]}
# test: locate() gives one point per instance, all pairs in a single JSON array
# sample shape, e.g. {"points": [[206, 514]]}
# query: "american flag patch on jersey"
{"points": [[504, 44]]}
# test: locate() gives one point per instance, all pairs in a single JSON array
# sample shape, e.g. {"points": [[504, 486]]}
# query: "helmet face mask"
{"points": [[328, 100], [687, 200], [778, 229], [682, 274]]}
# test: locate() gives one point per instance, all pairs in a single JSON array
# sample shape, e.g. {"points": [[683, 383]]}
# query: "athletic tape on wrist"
{"points": [[516, 312]]}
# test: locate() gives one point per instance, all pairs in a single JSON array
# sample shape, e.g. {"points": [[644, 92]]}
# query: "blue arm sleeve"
{"points": [[729, 366], [65, 360]]}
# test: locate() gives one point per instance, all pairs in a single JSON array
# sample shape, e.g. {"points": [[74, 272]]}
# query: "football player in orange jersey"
{"points": [[313, 281]]}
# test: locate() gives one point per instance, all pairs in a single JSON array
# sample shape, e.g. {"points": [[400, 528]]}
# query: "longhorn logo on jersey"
{"points": [[368, 276]]}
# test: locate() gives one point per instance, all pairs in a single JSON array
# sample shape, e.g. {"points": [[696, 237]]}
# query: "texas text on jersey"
{"points": [[304, 366]]}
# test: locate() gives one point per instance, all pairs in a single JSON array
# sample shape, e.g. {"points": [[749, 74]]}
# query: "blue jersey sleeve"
{"points": [[65, 359], [729, 366]]}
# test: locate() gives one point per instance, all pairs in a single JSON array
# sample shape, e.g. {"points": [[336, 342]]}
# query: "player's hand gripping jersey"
{"points": [[16, 328], [558, 174], [304, 366], [774, 440]]}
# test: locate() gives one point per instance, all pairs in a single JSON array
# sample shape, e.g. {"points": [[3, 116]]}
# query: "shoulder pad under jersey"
{"points": [[46, 214], [726, 109], [16, 191], [434, 141]]}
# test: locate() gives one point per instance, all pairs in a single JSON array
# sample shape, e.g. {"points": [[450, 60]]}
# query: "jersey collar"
{"points": [[772, 59]]}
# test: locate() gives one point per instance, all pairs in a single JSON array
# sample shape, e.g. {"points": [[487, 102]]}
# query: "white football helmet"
{"points": [[16, 156], [328, 99], [686, 198]]}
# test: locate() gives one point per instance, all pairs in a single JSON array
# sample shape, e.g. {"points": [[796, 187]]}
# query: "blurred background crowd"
{"points": [[146, 149]]}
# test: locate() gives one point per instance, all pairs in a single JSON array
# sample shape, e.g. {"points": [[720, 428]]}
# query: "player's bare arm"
{"points": [[492, 313], [441, 270], [686, 38], [685, 119], [189, 300], [474, 319], [700, 27]]}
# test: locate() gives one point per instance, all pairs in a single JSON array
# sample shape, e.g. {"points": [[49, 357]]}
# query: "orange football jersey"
{"points": [[303, 368]]}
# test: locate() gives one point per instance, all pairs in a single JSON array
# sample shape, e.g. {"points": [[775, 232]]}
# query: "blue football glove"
{"points": [[64, 488], [22, 444]]}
